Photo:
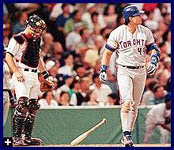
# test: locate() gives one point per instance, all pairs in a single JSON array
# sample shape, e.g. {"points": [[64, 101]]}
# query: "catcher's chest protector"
{"points": [[31, 54]]}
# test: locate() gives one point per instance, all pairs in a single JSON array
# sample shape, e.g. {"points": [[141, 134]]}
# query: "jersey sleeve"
{"points": [[150, 38], [112, 43], [13, 47]]}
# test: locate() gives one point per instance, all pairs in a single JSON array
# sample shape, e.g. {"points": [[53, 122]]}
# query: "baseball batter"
{"points": [[130, 41], [25, 49]]}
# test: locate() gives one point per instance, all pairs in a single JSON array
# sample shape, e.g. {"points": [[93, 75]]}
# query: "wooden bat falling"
{"points": [[84, 135]]}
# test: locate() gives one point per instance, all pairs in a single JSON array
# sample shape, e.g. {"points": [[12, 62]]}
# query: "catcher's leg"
{"points": [[18, 121], [29, 123]]}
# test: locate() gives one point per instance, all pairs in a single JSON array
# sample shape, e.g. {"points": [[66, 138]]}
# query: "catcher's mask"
{"points": [[36, 25]]}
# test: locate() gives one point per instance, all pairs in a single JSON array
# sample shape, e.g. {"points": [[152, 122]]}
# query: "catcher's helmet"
{"points": [[131, 11], [37, 25]]}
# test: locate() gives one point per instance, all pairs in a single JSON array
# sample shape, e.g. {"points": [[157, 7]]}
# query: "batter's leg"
{"points": [[138, 88], [125, 89]]}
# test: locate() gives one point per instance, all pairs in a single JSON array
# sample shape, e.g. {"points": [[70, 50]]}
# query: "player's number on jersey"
{"points": [[141, 51]]}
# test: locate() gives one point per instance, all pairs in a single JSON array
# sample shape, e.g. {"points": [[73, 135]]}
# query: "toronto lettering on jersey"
{"points": [[126, 44]]}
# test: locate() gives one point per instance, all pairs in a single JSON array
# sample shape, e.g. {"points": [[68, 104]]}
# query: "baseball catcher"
{"points": [[23, 58]]}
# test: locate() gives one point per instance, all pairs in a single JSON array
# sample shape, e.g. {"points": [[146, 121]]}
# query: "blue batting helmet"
{"points": [[131, 11]]}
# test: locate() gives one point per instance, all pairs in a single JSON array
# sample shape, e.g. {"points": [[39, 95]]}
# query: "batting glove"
{"points": [[151, 69], [153, 65], [103, 75]]}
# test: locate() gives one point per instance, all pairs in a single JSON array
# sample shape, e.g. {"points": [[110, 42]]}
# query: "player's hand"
{"points": [[151, 68], [103, 75], [19, 76], [47, 84]]}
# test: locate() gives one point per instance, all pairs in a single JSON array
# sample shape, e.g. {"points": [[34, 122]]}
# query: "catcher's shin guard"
{"points": [[28, 128], [18, 121], [33, 106], [29, 123], [19, 116], [17, 125]]}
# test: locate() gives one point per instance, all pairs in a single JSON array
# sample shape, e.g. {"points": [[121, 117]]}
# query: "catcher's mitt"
{"points": [[46, 84]]}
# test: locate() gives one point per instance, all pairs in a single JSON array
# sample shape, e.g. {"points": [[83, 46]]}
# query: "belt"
{"points": [[6, 90], [133, 67], [31, 70]]}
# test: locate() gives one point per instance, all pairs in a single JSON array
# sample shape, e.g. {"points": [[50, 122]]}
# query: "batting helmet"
{"points": [[131, 11], [37, 25]]}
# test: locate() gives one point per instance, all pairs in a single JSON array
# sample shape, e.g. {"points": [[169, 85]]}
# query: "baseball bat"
{"points": [[84, 135]]}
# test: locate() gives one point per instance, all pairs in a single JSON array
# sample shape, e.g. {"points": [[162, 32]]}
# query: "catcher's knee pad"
{"points": [[33, 106], [126, 106], [22, 107]]}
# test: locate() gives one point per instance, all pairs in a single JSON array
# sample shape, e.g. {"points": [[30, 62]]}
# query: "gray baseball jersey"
{"points": [[131, 48]]}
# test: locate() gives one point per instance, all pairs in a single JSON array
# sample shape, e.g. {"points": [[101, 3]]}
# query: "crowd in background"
{"points": [[73, 43]]}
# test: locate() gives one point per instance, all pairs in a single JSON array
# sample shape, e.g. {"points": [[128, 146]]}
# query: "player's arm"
{"points": [[106, 57], [110, 46], [165, 126], [155, 53], [10, 61], [155, 56], [9, 58], [44, 78], [42, 69], [105, 62]]}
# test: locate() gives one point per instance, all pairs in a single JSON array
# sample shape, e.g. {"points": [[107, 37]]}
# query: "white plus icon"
{"points": [[7, 142]]}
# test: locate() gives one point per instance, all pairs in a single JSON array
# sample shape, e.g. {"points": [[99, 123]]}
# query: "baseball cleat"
{"points": [[33, 141], [19, 142], [127, 141]]}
